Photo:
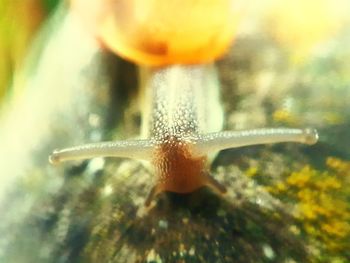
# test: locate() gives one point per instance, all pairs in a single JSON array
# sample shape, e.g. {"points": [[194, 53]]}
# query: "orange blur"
{"points": [[160, 32], [301, 25]]}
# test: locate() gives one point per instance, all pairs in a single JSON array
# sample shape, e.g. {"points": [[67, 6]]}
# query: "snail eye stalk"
{"points": [[137, 149], [218, 141]]}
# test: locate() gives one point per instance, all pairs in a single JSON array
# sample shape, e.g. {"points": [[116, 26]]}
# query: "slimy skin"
{"points": [[180, 97], [184, 119]]}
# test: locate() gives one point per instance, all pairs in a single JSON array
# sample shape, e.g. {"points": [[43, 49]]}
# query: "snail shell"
{"points": [[158, 32]]}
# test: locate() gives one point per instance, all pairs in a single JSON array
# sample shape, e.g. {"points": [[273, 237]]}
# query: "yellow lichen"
{"points": [[336, 228], [321, 204], [281, 187], [285, 116], [328, 183], [299, 179], [341, 167], [252, 171]]}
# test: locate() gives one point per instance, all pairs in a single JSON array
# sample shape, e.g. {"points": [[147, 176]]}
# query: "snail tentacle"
{"points": [[137, 149], [218, 141]]}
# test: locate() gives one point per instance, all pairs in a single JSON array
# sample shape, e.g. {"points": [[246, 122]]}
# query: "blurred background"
{"points": [[289, 65], [19, 24]]}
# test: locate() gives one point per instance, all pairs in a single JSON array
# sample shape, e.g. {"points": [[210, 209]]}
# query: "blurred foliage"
{"points": [[19, 20], [49, 5], [320, 204], [300, 25]]}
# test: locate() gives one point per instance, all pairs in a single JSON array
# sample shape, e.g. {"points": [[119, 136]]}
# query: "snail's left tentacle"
{"points": [[137, 149]]}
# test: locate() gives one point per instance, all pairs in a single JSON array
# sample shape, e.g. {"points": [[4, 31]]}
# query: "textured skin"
{"points": [[179, 116]]}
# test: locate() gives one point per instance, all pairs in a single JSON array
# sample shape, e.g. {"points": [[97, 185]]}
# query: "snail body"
{"points": [[179, 96], [178, 141]]}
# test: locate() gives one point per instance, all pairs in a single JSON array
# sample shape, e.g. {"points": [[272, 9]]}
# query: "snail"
{"points": [[177, 143], [183, 120]]}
